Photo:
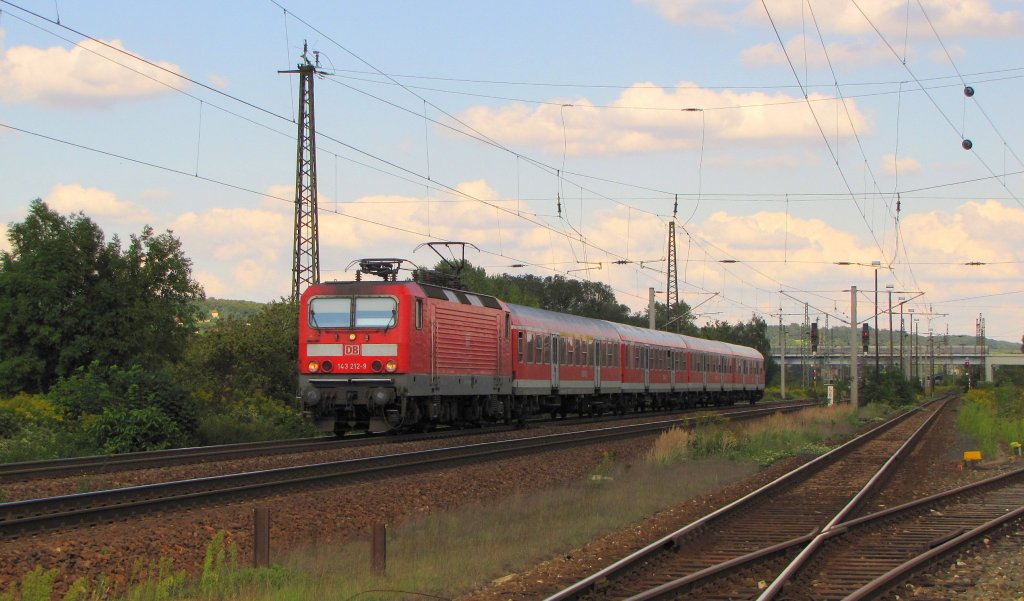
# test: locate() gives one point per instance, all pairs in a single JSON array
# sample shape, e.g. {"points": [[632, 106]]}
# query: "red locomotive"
{"points": [[394, 356]]}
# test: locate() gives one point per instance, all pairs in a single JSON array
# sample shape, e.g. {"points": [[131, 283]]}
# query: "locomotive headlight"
{"points": [[311, 396], [381, 396], [391, 366], [313, 366]]}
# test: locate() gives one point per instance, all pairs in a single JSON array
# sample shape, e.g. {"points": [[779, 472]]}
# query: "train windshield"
{"points": [[353, 312]]}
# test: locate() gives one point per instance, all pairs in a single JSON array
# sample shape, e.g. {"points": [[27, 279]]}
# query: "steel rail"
{"points": [[905, 570], [99, 464], [883, 582], [807, 544], [617, 569], [21, 517], [76, 466], [804, 556]]}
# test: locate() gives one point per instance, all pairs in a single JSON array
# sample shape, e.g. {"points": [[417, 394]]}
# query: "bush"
{"points": [[30, 409], [93, 390], [257, 419], [240, 358], [31, 428], [890, 387], [993, 416], [31, 443], [131, 430]]}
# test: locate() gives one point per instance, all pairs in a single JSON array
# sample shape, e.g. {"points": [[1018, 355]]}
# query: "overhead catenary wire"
{"points": [[429, 187], [934, 102], [623, 260], [817, 122], [978, 77], [268, 195], [321, 134], [792, 197], [964, 83]]}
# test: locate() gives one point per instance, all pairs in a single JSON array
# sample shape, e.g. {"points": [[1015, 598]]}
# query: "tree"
{"points": [[119, 430], [753, 333], [244, 373], [68, 298], [678, 320], [93, 389], [236, 358]]}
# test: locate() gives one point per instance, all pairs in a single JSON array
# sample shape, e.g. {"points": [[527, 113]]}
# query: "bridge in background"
{"points": [[831, 364], [993, 361]]}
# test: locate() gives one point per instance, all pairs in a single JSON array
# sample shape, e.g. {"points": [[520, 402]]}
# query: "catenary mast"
{"points": [[306, 247]]}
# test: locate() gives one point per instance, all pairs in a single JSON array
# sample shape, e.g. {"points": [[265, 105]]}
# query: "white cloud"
{"points": [[243, 253], [721, 14], [794, 249], [851, 39], [95, 203], [648, 118], [250, 274], [903, 165], [393, 221], [89, 74], [218, 81], [975, 231], [213, 286], [232, 234], [806, 51], [774, 248], [971, 18]]}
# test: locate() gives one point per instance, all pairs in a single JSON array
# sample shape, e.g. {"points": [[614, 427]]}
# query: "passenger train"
{"points": [[395, 356]]}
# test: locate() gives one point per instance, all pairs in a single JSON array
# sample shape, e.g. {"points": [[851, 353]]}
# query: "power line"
{"points": [[240, 188], [566, 235], [660, 86], [821, 130], [964, 141]]}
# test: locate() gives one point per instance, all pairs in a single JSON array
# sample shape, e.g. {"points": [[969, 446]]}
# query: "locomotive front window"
{"points": [[349, 312], [330, 312], [376, 312]]}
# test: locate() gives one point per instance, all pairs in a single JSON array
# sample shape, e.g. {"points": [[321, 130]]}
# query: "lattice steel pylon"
{"points": [[306, 247], [672, 286]]}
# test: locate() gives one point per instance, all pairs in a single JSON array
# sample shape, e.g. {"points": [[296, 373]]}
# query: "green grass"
{"points": [[763, 441], [993, 417]]}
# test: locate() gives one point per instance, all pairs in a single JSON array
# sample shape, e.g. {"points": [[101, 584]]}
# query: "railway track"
{"points": [[104, 464], [19, 518], [894, 544], [738, 551], [100, 464]]}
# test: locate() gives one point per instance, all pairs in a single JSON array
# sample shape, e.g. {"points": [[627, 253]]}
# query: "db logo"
{"points": [[352, 349]]}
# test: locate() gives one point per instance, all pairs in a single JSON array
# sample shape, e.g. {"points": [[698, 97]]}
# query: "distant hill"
{"points": [[220, 308]]}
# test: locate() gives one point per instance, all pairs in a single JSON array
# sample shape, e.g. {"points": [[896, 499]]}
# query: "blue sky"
{"points": [[813, 122]]}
